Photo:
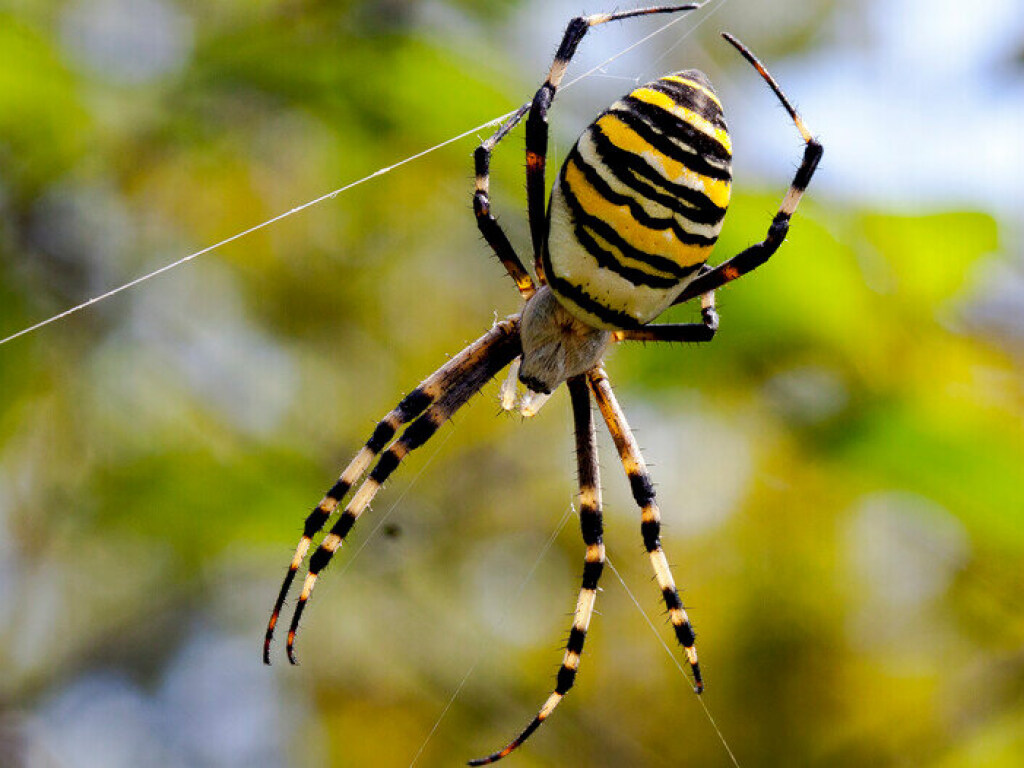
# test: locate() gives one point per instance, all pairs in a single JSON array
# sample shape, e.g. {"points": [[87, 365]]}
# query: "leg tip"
{"points": [[486, 760], [698, 680]]}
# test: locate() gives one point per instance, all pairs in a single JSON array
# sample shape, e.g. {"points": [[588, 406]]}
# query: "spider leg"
{"points": [[475, 366], [411, 406], [758, 254], [592, 529], [702, 331], [537, 122], [485, 221], [650, 515]]}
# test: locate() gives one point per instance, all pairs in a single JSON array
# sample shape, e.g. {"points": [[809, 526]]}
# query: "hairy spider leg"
{"points": [[537, 122], [591, 526], [650, 516], [480, 362], [485, 221], [759, 253], [411, 406]]}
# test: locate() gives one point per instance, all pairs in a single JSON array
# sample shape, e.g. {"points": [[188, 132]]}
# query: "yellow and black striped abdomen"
{"points": [[639, 202]]}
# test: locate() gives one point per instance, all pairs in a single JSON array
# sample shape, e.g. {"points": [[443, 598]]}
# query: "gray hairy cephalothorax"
{"points": [[556, 345]]}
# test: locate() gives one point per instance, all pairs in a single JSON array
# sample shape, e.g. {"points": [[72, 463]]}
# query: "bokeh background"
{"points": [[840, 471]]}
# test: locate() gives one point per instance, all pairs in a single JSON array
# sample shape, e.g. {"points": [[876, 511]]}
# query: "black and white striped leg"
{"points": [[650, 516], [537, 122], [433, 402], [592, 529], [758, 254], [485, 221], [702, 331], [411, 406]]}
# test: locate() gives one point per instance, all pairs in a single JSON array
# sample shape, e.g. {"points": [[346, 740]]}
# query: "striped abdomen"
{"points": [[639, 202]]}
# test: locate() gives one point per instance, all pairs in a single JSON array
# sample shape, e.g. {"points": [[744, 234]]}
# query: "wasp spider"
{"points": [[632, 218]]}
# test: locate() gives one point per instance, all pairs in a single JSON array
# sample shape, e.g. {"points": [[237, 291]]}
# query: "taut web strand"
{"points": [[311, 203]]}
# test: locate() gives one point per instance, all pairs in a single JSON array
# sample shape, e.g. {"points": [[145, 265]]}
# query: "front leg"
{"points": [[758, 254], [537, 122], [485, 221]]}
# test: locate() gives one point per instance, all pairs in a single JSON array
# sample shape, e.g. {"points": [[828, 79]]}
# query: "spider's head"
{"points": [[556, 345]]}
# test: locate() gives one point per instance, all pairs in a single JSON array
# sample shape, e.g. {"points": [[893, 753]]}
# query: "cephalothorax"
{"points": [[632, 218]]}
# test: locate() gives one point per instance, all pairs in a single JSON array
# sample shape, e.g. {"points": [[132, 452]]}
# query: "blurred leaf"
{"points": [[43, 126], [930, 255]]}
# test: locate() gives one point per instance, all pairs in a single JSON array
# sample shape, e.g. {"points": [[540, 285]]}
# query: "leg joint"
{"points": [[710, 318], [481, 205], [776, 235]]}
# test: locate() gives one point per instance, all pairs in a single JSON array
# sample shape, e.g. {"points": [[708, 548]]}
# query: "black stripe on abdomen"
{"points": [[636, 173]]}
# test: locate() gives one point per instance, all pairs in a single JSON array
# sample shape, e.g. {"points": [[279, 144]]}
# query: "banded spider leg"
{"points": [[427, 407]]}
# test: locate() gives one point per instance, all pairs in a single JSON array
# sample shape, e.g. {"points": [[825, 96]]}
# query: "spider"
{"points": [[626, 232]]}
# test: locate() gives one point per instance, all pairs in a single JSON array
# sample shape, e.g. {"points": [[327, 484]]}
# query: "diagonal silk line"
{"points": [[501, 624], [240, 235], [328, 196], [707, 712]]}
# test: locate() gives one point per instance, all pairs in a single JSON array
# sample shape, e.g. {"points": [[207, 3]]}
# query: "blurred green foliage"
{"points": [[840, 471]]}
